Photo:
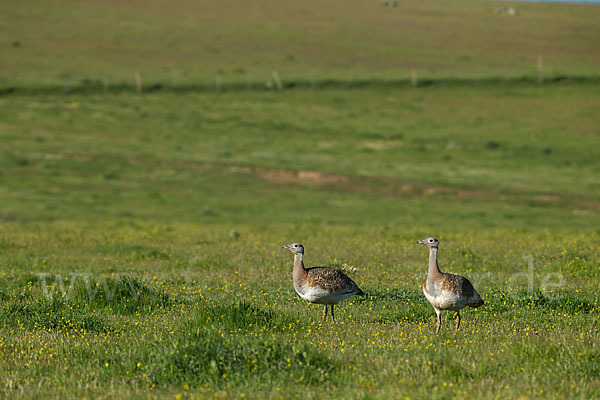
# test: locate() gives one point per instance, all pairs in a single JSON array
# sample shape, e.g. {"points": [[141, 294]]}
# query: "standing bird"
{"points": [[321, 285], [447, 291]]}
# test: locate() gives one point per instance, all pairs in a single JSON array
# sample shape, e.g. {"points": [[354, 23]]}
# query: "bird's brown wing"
{"points": [[457, 284], [462, 286], [332, 279]]}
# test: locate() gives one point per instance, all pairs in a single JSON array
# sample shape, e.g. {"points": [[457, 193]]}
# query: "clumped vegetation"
{"points": [[50, 315], [167, 328]]}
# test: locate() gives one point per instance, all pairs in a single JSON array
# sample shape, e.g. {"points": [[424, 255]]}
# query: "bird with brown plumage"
{"points": [[320, 285], [447, 291]]}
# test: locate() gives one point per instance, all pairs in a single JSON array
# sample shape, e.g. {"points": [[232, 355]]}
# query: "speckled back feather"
{"points": [[461, 286], [332, 279]]}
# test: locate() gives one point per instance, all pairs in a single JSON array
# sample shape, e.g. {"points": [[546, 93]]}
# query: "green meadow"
{"points": [[71, 43], [141, 232]]}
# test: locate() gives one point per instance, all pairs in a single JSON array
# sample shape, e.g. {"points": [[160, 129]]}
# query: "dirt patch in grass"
{"points": [[384, 186]]}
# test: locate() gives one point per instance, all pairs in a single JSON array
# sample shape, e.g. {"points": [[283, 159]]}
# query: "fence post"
{"points": [[277, 80], [138, 83], [414, 80]]}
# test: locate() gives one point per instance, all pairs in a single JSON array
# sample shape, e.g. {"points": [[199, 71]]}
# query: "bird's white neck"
{"points": [[434, 270]]}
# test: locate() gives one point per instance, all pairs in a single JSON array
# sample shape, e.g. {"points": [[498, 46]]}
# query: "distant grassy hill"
{"points": [[67, 42]]}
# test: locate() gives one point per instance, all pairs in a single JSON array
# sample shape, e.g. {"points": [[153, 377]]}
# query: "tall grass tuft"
{"points": [[125, 295], [214, 348], [52, 315]]}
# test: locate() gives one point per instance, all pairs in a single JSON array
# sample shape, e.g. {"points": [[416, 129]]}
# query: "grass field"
{"points": [[192, 42], [141, 234]]}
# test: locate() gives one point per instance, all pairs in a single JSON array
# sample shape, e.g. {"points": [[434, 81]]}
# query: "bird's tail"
{"points": [[478, 303]]}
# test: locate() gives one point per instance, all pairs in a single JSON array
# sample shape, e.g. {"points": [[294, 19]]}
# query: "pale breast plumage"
{"points": [[446, 300], [318, 295]]}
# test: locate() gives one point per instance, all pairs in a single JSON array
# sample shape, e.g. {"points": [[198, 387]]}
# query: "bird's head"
{"points": [[430, 242], [295, 248]]}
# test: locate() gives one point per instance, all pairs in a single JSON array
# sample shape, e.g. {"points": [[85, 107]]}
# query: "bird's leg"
{"points": [[332, 317], [457, 320], [324, 313], [439, 320]]}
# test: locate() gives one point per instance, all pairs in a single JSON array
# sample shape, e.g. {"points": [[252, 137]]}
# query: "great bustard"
{"points": [[321, 285], [447, 291]]}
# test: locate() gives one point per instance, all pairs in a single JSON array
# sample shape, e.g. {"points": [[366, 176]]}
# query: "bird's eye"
{"points": [[295, 245], [430, 240]]}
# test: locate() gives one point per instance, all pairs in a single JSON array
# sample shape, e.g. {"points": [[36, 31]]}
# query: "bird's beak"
{"points": [[420, 241], [286, 246]]}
